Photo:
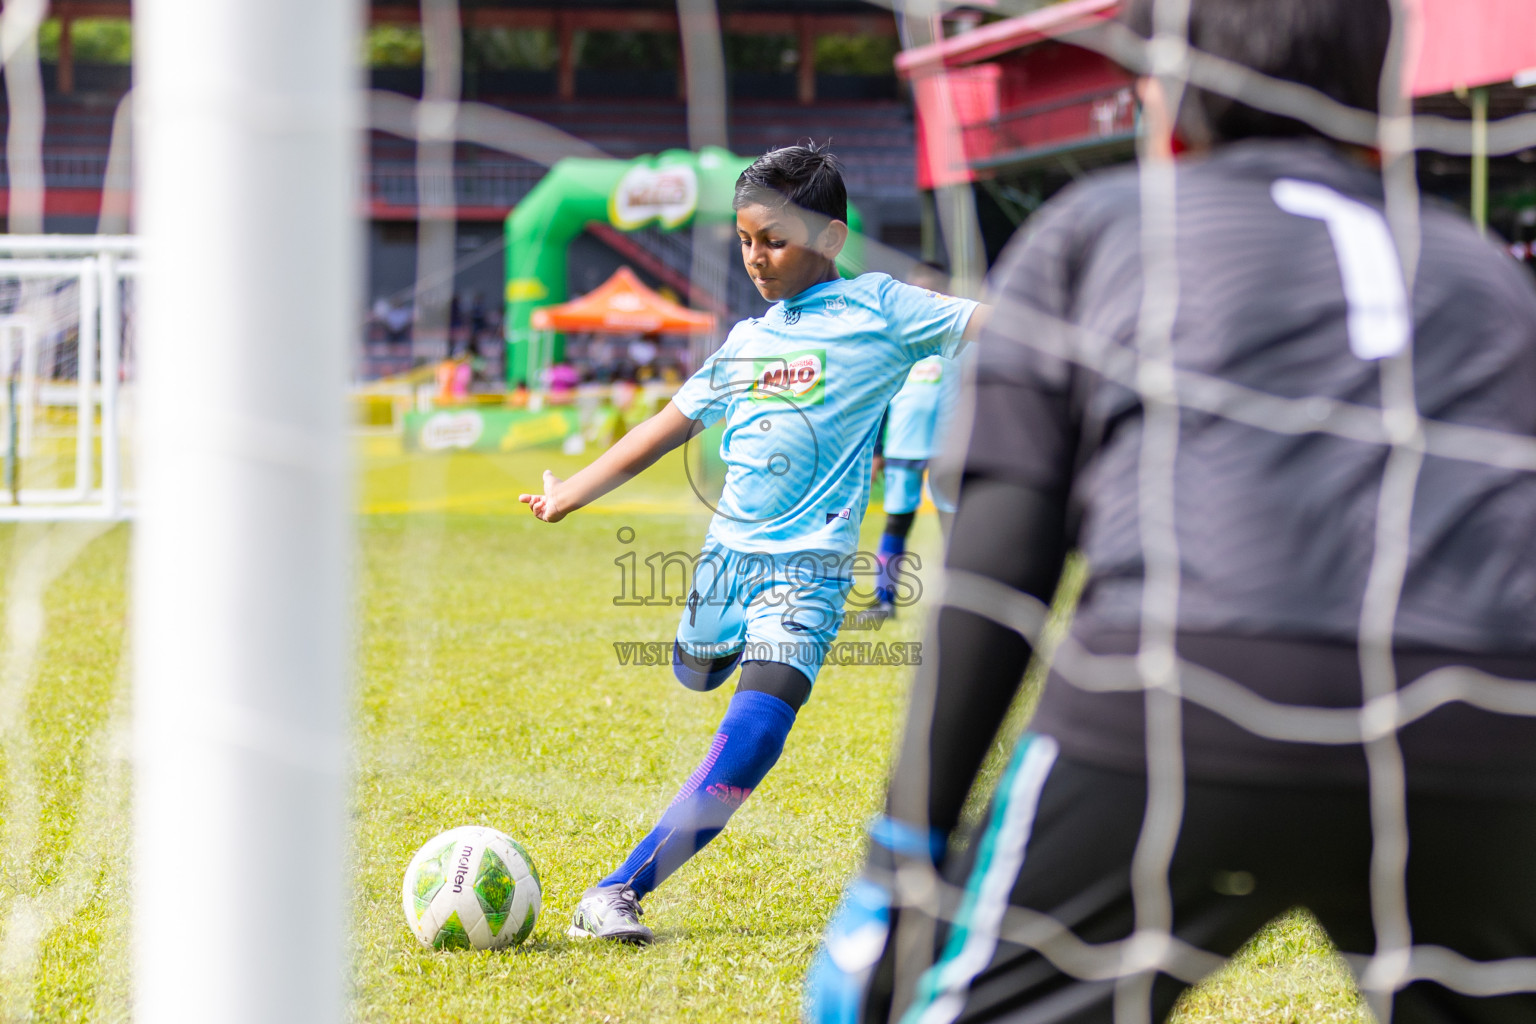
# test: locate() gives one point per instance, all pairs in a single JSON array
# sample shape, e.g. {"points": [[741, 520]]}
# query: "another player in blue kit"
{"points": [[801, 389], [914, 434]]}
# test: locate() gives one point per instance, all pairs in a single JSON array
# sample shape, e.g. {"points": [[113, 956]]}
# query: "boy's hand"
{"points": [[629, 455], [544, 505]]}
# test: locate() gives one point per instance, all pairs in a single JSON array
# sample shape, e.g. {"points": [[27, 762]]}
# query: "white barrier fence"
{"points": [[63, 341]]}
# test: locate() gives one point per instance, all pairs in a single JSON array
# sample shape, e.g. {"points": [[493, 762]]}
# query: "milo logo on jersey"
{"points": [[799, 377]]}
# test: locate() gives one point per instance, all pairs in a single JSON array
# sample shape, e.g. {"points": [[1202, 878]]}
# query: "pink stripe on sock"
{"points": [[697, 778]]}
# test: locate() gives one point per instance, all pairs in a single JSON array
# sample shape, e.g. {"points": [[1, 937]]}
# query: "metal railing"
{"points": [[500, 184], [675, 249], [1100, 114]]}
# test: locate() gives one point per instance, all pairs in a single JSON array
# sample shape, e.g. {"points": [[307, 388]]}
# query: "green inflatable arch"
{"points": [[671, 189]]}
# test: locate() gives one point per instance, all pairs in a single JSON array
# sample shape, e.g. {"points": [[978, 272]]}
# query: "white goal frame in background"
{"points": [[98, 264]]}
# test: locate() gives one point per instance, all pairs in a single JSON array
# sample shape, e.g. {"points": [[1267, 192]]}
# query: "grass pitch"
{"points": [[488, 690]]}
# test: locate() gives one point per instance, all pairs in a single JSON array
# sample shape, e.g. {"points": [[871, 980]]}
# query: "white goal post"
{"points": [[247, 130], [62, 379]]}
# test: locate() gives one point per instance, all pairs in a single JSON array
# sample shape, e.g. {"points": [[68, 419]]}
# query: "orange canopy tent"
{"points": [[622, 305]]}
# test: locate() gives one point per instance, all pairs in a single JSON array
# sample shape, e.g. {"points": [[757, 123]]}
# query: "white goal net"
{"points": [[251, 738]]}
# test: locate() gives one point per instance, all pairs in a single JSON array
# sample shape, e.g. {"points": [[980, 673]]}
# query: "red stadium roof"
{"points": [[1470, 43], [1465, 43], [1002, 36]]}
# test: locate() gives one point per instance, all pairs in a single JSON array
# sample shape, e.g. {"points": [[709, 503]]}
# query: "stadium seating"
{"points": [[76, 136], [874, 138]]}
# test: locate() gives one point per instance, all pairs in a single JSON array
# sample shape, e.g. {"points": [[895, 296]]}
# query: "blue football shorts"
{"points": [[769, 607], [904, 487]]}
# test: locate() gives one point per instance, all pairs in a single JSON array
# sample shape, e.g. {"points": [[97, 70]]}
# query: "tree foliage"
{"points": [[761, 53], [511, 49], [394, 46], [856, 55], [96, 40], [628, 51]]}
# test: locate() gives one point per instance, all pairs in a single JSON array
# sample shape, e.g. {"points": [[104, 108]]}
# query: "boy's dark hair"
{"points": [[1337, 47], [807, 177]]}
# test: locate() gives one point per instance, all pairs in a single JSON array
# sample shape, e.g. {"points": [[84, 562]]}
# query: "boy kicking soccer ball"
{"points": [[801, 390]]}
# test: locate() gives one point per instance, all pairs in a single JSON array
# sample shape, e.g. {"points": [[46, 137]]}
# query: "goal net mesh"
{"points": [[64, 690]]}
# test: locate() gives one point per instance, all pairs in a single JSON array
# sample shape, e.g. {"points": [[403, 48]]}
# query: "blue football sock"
{"points": [[891, 545], [748, 743]]}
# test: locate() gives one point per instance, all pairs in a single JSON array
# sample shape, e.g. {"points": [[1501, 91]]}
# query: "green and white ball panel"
{"points": [[473, 888]]}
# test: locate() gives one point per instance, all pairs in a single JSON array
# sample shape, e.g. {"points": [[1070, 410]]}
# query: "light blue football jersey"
{"points": [[802, 390], [921, 411]]}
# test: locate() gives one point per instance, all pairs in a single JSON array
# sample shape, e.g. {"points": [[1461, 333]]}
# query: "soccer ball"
{"points": [[471, 887]]}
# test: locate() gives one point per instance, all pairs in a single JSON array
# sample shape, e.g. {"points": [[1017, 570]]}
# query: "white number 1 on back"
{"points": [[1379, 325]]}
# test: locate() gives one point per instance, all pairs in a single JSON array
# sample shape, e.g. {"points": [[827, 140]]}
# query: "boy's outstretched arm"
{"points": [[629, 456], [979, 317]]}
